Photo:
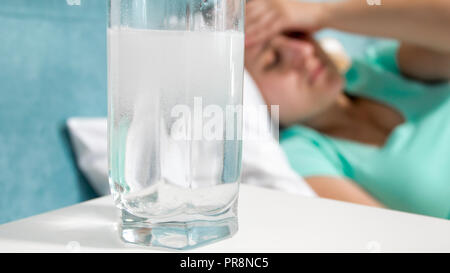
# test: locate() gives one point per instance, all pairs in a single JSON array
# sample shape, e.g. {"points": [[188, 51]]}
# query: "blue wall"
{"points": [[52, 67]]}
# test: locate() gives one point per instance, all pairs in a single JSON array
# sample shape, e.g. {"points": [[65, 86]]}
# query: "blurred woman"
{"points": [[372, 137]]}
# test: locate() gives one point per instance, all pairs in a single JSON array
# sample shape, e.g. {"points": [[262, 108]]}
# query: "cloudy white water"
{"points": [[150, 72]]}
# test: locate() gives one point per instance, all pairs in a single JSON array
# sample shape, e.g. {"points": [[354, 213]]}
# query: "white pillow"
{"points": [[263, 161]]}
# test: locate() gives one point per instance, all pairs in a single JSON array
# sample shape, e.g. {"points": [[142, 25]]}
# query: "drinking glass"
{"points": [[175, 76]]}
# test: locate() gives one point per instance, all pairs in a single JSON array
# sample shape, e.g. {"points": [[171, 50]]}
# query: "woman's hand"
{"points": [[267, 18]]}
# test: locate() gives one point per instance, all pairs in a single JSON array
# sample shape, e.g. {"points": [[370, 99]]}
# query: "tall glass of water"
{"points": [[175, 72]]}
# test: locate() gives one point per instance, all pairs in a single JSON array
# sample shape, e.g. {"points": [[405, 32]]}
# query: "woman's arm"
{"points": [[341, 189], [423, 23], [423, 64]]}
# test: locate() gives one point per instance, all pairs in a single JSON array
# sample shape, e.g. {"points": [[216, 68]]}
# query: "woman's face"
{"points": [[295, 74]]}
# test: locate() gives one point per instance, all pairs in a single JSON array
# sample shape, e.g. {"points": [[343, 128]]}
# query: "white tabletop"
{"points": [[269, 221]]}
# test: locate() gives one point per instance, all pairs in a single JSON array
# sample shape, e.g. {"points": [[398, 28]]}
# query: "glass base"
{"points": [[175, 235]]}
